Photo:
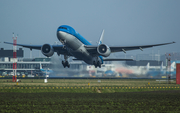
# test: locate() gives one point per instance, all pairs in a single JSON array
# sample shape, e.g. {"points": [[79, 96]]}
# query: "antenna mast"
{"points": [[14, 58]]}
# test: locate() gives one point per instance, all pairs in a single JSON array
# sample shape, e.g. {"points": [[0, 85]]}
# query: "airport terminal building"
{"points": [[29, 66]]}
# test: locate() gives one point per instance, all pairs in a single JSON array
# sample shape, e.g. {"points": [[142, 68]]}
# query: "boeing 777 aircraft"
{"points": [[73, 44]]}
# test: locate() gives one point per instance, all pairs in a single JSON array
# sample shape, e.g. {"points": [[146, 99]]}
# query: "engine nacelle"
{"points": [[47, 50], [104, 50]]}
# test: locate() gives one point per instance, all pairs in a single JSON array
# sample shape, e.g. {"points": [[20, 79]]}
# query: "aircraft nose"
{"points": [[61, 36]]}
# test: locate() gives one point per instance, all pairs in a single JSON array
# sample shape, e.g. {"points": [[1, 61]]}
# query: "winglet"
{"points": [[101, 38]]}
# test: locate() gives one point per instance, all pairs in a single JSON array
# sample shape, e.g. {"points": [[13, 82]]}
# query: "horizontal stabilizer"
{"points": [[117, 59]]}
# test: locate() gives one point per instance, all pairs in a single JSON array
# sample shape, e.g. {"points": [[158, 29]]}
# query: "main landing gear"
{"points": [[65, 63], [97, 64]]}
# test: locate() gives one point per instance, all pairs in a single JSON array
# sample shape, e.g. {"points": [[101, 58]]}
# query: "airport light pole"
{"points": [[30, 52], [168, 66], [14, 57]]}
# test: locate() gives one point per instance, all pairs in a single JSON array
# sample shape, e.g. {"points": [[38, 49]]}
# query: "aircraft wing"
{"points": [[57, 48], [93, 49]]}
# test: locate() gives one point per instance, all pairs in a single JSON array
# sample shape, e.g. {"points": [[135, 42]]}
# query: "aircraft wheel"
{"points": [[68, 66], [66, 62], [63, 63], [95, 64], [99, 64]]}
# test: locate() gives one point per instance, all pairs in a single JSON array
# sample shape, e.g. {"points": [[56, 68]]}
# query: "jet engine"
{"points": [[104, 50], [47, 50]]}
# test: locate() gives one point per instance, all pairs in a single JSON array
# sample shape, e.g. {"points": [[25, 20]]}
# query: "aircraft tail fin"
{"points": [[40, 66], [162, 66], [147, 66], [173, 66], [101, 38]]}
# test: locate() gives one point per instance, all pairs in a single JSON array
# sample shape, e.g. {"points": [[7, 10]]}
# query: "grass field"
{"points": [[89, 99], [84, 82], [122, 102]]}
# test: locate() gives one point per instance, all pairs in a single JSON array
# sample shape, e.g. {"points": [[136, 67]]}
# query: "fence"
{"points": [[87, 87]]}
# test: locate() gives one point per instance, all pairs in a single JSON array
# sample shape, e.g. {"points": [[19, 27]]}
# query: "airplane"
{"points": [[172, 71], [73, 44], [153, 72], [162, 71], [45, 71]]}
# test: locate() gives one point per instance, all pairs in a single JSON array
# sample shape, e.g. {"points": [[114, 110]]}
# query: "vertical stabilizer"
{"points": [[101, 38], [161, 67], [173, 66], [40, 66], [147, 67]]}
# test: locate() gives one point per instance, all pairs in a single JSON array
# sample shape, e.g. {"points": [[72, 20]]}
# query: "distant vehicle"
{"points": [[4, 73], [11, 74], [30, 75], [75, 45]]}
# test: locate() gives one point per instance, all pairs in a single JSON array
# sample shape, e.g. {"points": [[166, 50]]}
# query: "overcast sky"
{"points": [[126, 22]]}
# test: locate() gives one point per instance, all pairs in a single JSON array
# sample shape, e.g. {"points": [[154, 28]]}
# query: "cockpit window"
{"points": [[63, 28]]}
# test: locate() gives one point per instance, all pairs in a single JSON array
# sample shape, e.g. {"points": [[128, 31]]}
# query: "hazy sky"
{"points": [[126, 22]]}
